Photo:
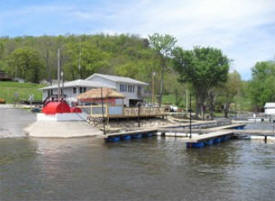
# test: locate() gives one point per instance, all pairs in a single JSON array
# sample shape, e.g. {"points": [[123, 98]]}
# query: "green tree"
{"points": [[262, 86], [163, 46], [84, 59], [230, 90], [26, 63], [203, 68], [1, 49]]}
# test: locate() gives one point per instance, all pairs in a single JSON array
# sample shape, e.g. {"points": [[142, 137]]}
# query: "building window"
{"points": [[74, 90], [131, 88], [139, 91], [80, 89], [84, 89], [51, 92], [123, 87]]}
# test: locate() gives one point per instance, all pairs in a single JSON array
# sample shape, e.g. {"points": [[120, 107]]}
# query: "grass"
{"points": [[24, 90]]}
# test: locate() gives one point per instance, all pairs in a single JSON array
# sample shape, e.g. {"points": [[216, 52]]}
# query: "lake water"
{"points": [[34, 169]]}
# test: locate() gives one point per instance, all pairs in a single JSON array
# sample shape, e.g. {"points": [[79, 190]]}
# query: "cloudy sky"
{"points": [[243, 29]]}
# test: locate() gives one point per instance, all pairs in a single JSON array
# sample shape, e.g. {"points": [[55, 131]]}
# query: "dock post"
{"points": [[190, 113], [265, 139], [139, 114], [273, 126]]}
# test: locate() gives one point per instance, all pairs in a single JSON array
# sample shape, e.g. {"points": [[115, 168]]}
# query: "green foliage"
{"points": [[1, 49], [118, 54], [25, 63], [163, 46], [262, 86], [24, 90], [203, 68], [83, 60], [229, 90]]}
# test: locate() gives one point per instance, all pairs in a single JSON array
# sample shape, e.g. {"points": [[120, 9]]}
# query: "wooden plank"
{"points": [[226, 127], [254, 132], [207, 130], [209, 136]]}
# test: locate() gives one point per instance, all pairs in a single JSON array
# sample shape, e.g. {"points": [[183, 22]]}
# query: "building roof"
{"points": [[96, 94], [269, 105], [80, 83], [117, 79]]}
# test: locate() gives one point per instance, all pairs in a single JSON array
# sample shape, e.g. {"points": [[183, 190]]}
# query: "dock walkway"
{"points": [[208, 136]]}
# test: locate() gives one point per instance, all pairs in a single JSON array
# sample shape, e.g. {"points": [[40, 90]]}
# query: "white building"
{"points": [[269, 108], [132, 89]]}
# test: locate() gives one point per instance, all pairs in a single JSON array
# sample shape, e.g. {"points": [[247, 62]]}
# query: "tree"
{"points": [[26, 63], [262, 86], [203, 68], [163, 46], [124, 54], [84, 59], [1, 50], [229, 90]]}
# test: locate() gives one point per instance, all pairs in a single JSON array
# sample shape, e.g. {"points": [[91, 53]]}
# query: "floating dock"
{"points": [[129, 135], [199, 137], [200, 141], [177, 132]]}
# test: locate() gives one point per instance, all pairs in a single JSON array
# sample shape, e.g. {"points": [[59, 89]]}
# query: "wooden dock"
{"points": [[163, 131], [204, 137], [254, 132], [174, 128], [199, 138]]}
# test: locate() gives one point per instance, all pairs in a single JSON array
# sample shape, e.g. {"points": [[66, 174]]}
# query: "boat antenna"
{"points": [[58, 75], [79, 59]]}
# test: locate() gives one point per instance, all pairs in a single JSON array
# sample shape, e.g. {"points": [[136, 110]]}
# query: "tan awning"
{"points": [[96, 94]]}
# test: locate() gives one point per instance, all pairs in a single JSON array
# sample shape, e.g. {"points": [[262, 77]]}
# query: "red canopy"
{"points": [[56, 107]]}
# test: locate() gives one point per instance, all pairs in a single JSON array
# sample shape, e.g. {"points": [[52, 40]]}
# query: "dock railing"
{"points": [[122, 112]]}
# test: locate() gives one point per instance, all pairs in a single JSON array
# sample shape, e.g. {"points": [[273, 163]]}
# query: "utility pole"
{"points": [[153, 87], [186, 101], [79, 60], [139, 105], [58, 74]]}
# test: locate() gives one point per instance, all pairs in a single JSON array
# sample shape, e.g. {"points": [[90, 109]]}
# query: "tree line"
{"points": [[202, 71]]}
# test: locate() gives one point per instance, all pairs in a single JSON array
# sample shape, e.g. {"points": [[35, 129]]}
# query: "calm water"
{"points": [[148, 169]]}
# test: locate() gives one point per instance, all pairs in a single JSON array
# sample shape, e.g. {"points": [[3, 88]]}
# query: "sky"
{"points": [[243, 29]]}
